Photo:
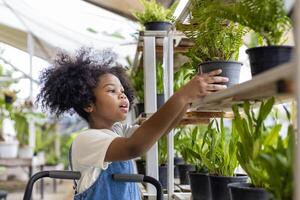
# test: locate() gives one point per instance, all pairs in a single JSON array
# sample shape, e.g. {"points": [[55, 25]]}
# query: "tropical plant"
{"points": [[268, 18], [182, 76], [159, 78], [278, 163], [185, 138], [215, 38], [217, 150], [138, 81], [254, 137], [155, 12], [162, 150], [263, 153], [138, 84]]}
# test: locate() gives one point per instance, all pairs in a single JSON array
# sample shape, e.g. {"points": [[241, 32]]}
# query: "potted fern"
{"points": [[269, 20], [155, 16], [216, 42], [264, 154]]}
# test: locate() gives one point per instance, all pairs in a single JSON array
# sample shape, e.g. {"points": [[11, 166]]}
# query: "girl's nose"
{"points": [[122, 96]]}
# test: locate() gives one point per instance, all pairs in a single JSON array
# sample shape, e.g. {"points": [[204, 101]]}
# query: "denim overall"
{"points": [[105, 188]]}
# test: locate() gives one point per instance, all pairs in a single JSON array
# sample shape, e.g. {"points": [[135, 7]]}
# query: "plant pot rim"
{"points": [[221, 61], [245, 186], [270, 47], [238, 176], [162, 22], [198, 173]]}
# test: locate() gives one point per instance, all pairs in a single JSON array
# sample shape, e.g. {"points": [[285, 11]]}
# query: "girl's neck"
{"points": [[100, 124]]}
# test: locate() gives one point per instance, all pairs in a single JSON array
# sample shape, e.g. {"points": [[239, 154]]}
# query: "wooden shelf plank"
{"points": [[275, 82]]}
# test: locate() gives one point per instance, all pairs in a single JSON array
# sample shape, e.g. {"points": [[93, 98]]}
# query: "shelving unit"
{"points": [[283, 82]]}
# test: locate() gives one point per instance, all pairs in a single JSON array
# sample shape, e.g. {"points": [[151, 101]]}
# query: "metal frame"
{"points": [[150, 99], [297, 81]]}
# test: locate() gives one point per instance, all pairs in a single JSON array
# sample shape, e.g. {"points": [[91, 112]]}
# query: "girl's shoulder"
{"points": [[124, 130]]}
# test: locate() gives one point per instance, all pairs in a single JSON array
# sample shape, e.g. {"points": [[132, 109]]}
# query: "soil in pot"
{"points": [[245, 191], [267, 57], [200, 186], [184, 169], [230, 69], [219, 189], [158, 26]]}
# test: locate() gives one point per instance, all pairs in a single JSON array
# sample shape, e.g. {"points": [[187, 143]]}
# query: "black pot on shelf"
{"points": [[177, 161], [160, 98], [200, 186], [267, 57], [184, 169], [218, 184], [163, 175], [230, 69], [158, 26], [245, 191]]}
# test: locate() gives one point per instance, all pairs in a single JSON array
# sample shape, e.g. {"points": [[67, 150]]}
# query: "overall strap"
{"points": [[71, 167]]}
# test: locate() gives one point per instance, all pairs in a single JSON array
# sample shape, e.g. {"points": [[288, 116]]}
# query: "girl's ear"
{"points": [[89, 109]]}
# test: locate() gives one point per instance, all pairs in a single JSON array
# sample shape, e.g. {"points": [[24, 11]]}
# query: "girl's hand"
{"points": [[202, 85]]}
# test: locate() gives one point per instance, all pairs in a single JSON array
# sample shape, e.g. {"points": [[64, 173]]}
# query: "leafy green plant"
{"points": [[185, 139], [138, 81], [162, 150], [215, 38], [138, 84], [263, 153], [254, 137], [159, 78], [278, 163], [217, 150], [155, 12], [265, 17], [182, 76]]}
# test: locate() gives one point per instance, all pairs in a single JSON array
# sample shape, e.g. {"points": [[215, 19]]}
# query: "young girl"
{"points": [[102, 95]]}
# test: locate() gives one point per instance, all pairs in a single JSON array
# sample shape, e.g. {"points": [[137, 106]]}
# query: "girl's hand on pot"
{"points": [[202, 85]]}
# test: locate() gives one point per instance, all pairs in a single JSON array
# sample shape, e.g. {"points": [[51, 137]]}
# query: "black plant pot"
{"points": [[139, 108], [230, 69], [158, 26], [160, 98], [163, 175], [219, 189], [245, 191], [200, 186], [267, 57], [184, 169], [141, 166], [177, 161]]}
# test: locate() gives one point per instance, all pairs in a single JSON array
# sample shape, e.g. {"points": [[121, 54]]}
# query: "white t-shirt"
{"points": [[89, 150]]}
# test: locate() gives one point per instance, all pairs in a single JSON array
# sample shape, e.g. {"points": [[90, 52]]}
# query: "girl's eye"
{"points": [[111, 90]]}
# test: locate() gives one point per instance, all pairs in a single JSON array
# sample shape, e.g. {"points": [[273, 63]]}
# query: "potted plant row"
{"points": [[269, 22], [264, 154], [216, 42], [217, 152]]}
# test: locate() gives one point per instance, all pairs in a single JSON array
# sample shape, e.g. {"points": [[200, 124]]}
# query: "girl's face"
{"points": [[111, 103]]}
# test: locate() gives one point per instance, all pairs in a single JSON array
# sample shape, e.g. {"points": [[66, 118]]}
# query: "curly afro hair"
{"points": [[68, 85]]}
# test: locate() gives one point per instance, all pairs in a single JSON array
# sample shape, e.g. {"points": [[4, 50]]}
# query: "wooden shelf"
{"points": [[181, 42], [275, 82], [193, 117]]}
